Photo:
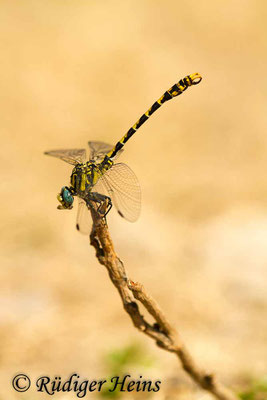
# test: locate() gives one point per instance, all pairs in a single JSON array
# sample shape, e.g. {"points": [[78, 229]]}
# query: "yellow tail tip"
{"points": [[195, 78]]}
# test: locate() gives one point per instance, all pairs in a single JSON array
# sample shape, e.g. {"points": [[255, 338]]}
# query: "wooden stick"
{"points": [[132, 293]]}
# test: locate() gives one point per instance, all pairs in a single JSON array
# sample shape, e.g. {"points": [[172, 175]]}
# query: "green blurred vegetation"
{"points": [[122, 361], [256, 391]]}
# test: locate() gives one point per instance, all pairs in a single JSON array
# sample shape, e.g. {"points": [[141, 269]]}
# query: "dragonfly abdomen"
{"points": [[175, 90]]}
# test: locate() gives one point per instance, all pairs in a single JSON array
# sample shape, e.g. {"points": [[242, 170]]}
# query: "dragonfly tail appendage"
{"points": [[175, 90]]}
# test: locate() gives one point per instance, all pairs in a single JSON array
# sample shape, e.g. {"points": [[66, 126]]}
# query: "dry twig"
{"points": [[164, 334]]}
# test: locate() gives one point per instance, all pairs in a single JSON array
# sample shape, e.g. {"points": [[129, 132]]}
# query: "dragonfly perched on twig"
{"points": [[102, 179]]}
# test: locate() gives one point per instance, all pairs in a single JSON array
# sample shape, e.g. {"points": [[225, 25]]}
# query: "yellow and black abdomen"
{"points": [[174, 91]]}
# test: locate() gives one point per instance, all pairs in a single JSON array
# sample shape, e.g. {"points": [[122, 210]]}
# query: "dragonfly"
{"points": [[100, 178]]}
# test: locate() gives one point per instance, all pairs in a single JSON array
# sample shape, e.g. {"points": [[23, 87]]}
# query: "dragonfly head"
{"points": [[65, 198]]}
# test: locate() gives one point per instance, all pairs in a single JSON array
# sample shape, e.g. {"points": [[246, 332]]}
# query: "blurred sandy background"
{"points": [[73, 71]]}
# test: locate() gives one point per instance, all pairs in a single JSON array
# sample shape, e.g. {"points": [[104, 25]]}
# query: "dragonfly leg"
{"points": [[101, 199]]}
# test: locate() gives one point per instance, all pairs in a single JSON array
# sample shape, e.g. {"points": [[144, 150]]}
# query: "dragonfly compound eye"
{"points": [[65, 198]]}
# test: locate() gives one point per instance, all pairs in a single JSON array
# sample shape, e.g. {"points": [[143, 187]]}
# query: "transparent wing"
{"points": [[121, 184], [84, 220], [98, 150], [100, 187], [71, 156]]}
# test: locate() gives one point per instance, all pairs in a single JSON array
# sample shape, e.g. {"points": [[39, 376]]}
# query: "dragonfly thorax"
{"points": [[84, 177]]}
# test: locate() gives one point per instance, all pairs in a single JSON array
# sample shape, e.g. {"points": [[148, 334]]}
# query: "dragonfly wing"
{"points": [[84, 220], [123, 187], [98, 150], [71, 156], [101, 187]]}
